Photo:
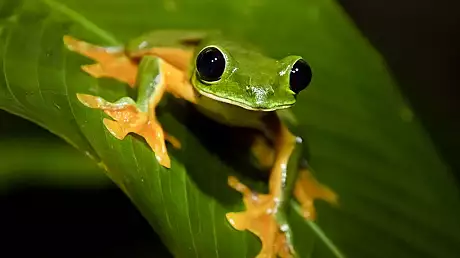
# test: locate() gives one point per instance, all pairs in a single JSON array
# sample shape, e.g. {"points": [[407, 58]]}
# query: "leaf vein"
{"points": [[7, 82], [160, 185], [187, 205], [37, 61], [320, 233], [213, 219]]}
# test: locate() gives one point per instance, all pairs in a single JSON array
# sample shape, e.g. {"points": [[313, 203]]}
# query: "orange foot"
{"points": [[259, 218], [111, 61], [128, 118], [307, 189]]}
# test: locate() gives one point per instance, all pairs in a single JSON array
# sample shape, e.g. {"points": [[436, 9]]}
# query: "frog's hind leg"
{"points": [[265, 214], [140, 117], [112, 62]]}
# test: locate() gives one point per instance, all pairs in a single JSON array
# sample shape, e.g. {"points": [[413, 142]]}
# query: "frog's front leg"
{"points": [[265, 213], [153, 79]]}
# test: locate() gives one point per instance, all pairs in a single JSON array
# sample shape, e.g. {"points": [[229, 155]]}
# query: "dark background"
{"points": [[418, 38]]}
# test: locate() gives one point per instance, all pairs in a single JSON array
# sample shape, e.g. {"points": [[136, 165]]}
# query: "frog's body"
{"points": [[248, 93], [231, 84]]}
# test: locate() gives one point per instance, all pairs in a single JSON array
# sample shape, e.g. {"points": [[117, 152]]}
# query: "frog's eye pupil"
{"points": [[210, 64], [300, 76]]}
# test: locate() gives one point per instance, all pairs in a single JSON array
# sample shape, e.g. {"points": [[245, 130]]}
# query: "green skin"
{"points": [[251, 93]]}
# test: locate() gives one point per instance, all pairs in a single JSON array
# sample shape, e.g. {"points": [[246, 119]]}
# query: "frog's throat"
{"points": [[240, 104]]}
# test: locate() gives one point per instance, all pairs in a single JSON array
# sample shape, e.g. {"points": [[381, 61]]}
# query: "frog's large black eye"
{"points": [[300, 76], [210, 64]]}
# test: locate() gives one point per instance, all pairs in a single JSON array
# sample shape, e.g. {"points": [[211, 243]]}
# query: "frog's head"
{"points": [[244, 78]]}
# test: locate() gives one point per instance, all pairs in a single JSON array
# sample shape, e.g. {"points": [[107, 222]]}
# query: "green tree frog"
{"points": [[233, 85]]}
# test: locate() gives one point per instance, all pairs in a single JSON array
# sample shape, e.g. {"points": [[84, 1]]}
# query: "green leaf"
{"points": [[397, 197]]}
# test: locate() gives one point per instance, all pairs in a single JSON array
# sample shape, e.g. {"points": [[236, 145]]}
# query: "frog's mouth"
{"points": [[242, 104]]}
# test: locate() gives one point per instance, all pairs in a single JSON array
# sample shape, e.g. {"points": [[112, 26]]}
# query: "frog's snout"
{"points": [[260, 94]]}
